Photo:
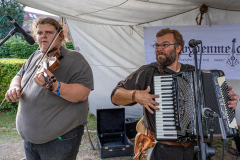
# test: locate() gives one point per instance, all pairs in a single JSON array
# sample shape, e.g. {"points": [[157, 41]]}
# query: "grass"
{"points": [[7, 120], [8, 126], [218, 145], [92, 122]]}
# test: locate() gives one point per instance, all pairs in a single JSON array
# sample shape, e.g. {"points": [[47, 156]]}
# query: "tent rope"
{"points": [[203, 9]]}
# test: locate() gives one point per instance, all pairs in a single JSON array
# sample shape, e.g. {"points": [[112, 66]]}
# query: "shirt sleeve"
{"points": [[83, 74], [136, 80]]}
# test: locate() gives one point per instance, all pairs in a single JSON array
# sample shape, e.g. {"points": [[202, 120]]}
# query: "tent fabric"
{"points": [[113, 52], [110, 34], [124, 12]]}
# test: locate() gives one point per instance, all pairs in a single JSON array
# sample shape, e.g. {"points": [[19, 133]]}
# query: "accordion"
{"points": [[215, 96], [176, 118]]}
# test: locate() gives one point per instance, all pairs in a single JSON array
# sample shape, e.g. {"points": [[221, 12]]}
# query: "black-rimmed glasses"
{"points": [[164, 46]]}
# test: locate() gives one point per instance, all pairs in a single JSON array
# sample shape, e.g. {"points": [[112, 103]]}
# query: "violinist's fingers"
{"points": [[14, 94], [18, 93], [39, 79], [48, 73], [10, 95]]}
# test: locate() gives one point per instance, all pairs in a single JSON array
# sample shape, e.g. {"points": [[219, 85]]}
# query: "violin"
{"points": [[50, 61]]}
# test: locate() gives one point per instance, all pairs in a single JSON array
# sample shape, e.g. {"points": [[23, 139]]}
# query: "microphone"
{"points": [[27, 37], [192, 43], [207, 112]]}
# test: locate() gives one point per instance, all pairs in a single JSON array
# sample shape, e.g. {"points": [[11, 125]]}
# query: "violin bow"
{"points": [[35, 69]]}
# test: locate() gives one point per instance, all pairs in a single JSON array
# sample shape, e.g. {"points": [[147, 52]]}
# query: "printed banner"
{"points": [[220, 47]]}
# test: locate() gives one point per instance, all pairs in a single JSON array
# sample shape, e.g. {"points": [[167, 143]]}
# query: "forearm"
{"points": [[73, 92], [16, 82], [122, 97]]}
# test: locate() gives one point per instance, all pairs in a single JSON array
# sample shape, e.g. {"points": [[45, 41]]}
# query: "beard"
{"points": [[167, 60]]}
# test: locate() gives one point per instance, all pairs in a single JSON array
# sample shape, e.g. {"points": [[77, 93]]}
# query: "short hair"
{"points": [[177, 36], [47, 20]]}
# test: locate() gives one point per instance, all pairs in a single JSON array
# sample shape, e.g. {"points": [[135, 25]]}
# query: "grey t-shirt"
{"points": [[42, 115]]}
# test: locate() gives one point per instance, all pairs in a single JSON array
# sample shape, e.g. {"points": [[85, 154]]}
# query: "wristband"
{"points": [[133, 95], [59, 86]]}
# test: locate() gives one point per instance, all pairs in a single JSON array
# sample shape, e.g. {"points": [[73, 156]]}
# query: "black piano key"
{"points": [[168, 116], [167, 96], [165, 77], [170, 135], [166, 85], [167, 88], [167, 104], [169, 129], [166, 93], [167, 125], [165, 80], [166, 108], [168, 120]]}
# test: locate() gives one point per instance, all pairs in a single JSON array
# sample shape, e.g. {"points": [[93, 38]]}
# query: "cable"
{"points": [[223, 149], [2, 18]]}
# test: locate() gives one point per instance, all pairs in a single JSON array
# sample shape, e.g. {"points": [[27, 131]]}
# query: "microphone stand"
{"points": [[212, 120], [11, 33], [202, 147]]}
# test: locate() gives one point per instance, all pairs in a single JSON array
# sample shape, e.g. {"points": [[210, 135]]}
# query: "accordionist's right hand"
{"points": [[146, 100]]}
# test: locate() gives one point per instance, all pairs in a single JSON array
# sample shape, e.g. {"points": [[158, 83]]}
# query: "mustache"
{"points": [[160, 53]]}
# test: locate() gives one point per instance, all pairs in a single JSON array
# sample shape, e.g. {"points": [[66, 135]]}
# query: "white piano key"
{"points": [[164, 99], [165, 116], [161, 133], [165, 111], [156, 79], [164, 102], [166, 137], [160, 119], [165, 95], [165, 127], [165, 123], [160, 92], [161, 84]]}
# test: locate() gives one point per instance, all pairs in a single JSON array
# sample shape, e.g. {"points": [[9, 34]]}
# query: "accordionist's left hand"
{"points": [[234, 98]]}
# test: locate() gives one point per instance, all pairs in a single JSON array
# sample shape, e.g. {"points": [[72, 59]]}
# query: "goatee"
{"points": [[166, 61]]}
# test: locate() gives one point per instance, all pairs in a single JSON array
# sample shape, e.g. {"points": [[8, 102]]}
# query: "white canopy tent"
{"points": [[109, 34]]}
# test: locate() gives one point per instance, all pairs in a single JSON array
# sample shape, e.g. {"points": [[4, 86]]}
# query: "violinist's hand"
{"points": [[146, 100], [234, 98], [39, 79], [13, 93]]}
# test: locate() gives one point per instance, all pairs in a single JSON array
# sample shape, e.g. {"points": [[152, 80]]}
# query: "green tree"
{"points": [[14, 10]]}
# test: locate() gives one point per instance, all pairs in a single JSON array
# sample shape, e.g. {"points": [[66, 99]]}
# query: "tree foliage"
{"points": [[14, 10]]}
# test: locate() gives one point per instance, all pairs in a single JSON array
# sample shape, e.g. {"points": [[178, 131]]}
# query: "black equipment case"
{"points": [[111, 132]]}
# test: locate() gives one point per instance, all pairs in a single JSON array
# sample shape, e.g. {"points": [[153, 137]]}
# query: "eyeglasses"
{"points": [[164, 46]]}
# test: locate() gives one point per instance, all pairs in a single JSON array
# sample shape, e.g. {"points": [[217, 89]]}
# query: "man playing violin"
{"points": [[51, 122]]}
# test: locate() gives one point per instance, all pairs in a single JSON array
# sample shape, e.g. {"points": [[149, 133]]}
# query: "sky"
{"points": [[29, 9]]}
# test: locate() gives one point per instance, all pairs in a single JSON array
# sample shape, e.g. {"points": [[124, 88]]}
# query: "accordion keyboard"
{"points": [[165, 87]]}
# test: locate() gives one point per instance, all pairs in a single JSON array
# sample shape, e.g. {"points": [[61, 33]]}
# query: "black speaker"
{"points": [[130, 124]]}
